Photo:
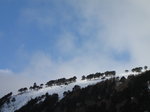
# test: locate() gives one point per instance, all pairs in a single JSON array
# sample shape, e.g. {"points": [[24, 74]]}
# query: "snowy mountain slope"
{"points": [[22, 99]]}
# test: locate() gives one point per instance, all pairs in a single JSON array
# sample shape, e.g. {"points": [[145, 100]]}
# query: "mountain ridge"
{"points": [[22, 99]]}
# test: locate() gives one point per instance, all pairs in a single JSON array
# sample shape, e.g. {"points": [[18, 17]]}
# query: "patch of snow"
{"points": [[126, 74]]}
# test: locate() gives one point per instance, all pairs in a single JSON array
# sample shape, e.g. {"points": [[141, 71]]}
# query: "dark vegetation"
{"points": [[58, 82], [23, 90], [99, 75], [36, 105], [36, 87], [61, 81], [137, 69], [130, 94], [5, 99]]}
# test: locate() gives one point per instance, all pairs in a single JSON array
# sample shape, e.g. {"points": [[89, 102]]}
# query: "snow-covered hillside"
{"points": [[22, 99]]}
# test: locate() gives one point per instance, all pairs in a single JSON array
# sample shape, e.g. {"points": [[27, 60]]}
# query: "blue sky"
{"points": [[30, 27], [42, 40]]}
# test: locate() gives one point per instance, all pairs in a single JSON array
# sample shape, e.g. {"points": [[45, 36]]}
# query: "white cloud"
{"points": [[11, 82], [121, 25], [39, 68]]}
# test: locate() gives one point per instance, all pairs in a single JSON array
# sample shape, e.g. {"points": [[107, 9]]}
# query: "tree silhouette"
{"points": [[83, 77], [145, 67], [137, 69], [126, 71]]}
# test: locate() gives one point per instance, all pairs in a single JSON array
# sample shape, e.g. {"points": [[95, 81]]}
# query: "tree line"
{"points": [[61, 81], [99, 75], [64, 81], [34, 87], [138, 69]]}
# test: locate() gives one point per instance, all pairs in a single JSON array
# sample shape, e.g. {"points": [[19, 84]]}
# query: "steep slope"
{"points": [[15, 102], [113, 95], [22, 99]]}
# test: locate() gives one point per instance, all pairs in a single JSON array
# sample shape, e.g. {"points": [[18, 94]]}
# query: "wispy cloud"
{"points": [[66, 43]]}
